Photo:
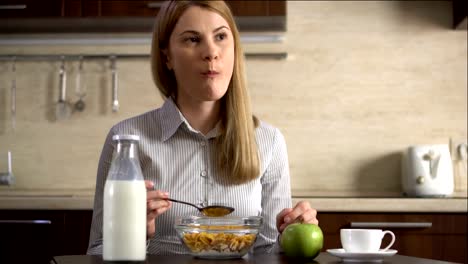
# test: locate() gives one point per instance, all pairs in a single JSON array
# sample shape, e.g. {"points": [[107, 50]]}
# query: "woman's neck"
{"points": [[202, 116]]}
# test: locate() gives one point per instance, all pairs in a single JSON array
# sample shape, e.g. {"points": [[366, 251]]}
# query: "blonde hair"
{"points": [[236, 147]]}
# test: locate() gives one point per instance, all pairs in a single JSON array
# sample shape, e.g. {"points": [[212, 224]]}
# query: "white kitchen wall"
{"points": [[363, 81]]}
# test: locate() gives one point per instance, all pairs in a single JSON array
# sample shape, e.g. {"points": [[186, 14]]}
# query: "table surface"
{"points": [[323, 258]]}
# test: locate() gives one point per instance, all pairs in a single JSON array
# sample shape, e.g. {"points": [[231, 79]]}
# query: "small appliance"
{"points": [[427, 171]]}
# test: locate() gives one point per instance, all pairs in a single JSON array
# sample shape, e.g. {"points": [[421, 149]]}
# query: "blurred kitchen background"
{"points": [[351, 84], [362, 81]]}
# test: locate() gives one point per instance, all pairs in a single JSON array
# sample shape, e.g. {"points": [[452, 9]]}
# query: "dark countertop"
{"points": [[323, 258]]}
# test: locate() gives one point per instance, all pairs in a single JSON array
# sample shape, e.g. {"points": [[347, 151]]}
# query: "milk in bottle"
{"points": [[124, 219]]}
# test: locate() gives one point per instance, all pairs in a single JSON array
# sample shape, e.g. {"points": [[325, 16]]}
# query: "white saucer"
{"points": [[365, 256]]}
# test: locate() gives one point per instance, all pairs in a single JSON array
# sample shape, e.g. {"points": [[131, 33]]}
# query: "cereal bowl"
{"points": [[218, 237]]}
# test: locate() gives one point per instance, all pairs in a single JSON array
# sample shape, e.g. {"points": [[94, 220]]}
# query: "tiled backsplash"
{"points": [[363, 81]]}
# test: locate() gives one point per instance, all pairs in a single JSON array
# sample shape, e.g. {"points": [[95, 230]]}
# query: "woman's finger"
{"points": [[156, 204], [149, 185], [310, 217], [296, 212], [280, 217], [302, 213], [156, 213], [155, 195]]}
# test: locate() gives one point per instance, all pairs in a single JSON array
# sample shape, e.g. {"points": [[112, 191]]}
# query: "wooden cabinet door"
{"points": [[113, 8], [67, 234], [257, 8], [121, 8], [445, 239], [31, 8], [30, 237], [68, 16]]}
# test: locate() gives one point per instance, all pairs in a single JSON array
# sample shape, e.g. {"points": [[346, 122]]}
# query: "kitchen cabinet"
{"points": [[118, 8], [150, 8], [66, 16], [445, 238], [10, 9], [29, 9], [21, 239], [108, 8]]}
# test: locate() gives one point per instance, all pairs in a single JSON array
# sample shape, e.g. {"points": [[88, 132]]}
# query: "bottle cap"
{"points": [[126, 137]]}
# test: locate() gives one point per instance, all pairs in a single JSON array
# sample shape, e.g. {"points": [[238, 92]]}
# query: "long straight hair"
{"points": [[236, 147]]}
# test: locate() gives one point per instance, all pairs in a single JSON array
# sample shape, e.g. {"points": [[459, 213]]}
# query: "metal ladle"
{"points": [[211, 210]]}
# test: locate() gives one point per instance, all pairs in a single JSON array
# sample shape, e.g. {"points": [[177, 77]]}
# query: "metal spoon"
{"points": [[211, 210], [8, 178], [80, 92], [115, 100], [62, 110]]}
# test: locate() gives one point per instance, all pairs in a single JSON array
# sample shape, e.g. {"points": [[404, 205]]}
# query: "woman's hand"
{"points": [[155, 207], [302, 213]]}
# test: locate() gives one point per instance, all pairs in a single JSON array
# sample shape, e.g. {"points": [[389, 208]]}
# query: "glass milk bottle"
{"points": [[124, 225]]}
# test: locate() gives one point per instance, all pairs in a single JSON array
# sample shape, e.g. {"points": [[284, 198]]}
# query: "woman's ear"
{"points": [[168, 59]]}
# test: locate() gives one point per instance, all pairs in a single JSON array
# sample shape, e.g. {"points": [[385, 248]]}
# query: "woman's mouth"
{"points": [[210, 74]]}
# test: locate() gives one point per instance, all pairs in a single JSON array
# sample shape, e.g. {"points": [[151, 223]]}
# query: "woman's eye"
{"points": [[192, 39], [221, 36]]}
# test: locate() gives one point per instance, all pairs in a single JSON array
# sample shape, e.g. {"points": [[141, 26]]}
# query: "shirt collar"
{"points": [[172, 118]]}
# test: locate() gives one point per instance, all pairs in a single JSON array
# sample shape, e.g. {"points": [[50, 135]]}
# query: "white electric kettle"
{"points": [[427, 171]]}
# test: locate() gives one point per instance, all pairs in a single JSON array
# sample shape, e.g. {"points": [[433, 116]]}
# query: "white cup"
{"points": [[364, 240]]}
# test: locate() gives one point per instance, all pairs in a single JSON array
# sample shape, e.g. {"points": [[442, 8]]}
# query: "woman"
{"points": [[203, 145]]}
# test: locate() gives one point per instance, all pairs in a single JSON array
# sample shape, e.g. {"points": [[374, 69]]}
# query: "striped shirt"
{"points": [[180, 160]]}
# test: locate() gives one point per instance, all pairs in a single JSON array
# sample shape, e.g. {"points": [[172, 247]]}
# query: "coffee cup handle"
{"points": [[391, 242]]}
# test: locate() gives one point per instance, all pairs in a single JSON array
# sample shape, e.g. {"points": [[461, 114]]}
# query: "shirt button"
{"points": [[203, 143], [203, 173]]}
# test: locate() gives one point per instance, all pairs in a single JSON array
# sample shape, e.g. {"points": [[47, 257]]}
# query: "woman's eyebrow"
{"points": [[219, 28], [191, 31]]}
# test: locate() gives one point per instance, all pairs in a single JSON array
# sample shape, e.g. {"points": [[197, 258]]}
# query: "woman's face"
{"points": [[201, 54]]}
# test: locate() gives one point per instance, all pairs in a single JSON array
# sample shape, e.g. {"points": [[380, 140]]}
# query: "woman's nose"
{"points": [[211, 51]]}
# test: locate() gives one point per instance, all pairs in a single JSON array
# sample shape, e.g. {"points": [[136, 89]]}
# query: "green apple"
{"points": [[302, 240]]}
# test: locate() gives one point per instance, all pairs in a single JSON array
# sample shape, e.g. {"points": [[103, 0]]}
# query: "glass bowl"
{"points": [[218, 237]]}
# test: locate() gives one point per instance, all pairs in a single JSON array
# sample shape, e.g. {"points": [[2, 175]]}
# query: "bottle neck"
{"points": [[127, 148]]}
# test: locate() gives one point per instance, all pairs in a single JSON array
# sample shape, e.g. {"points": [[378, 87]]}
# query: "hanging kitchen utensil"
{"points": [[13, 95], [63, 109], [80, 91], [115, 100], [8, 178]]}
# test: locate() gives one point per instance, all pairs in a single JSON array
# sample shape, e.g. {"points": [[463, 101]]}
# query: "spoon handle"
{"points": [[177, 201]]}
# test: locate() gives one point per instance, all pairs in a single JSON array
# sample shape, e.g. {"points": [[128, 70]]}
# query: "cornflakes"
{"points": [[218, 241]]}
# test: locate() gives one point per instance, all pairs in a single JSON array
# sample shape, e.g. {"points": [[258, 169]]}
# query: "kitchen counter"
{"points": [[322, 204], [413, 205], [323, 258]]}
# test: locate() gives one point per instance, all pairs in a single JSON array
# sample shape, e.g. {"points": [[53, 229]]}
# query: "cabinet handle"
{"points": [[11, 7], [155, 4], [47, 222], [391, 224], [273, 55]]}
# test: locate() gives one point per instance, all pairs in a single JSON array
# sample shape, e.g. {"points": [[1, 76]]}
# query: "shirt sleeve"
{"points": [[276, 194], [95, 236]]}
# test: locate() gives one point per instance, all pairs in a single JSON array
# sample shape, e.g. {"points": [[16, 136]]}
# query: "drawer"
{"points": [[434, 236], [409, 223]]}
